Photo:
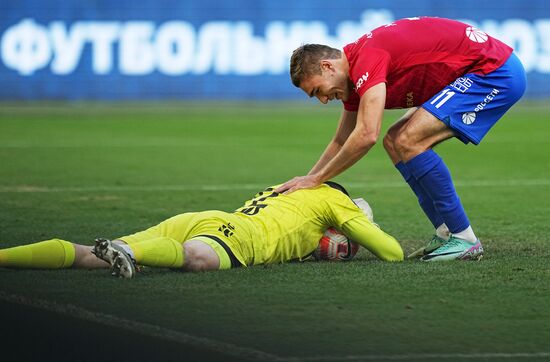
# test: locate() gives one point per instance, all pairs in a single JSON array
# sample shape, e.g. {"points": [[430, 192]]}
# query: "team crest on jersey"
{"points": [[468, 117], [361, 80], [476, 35]]}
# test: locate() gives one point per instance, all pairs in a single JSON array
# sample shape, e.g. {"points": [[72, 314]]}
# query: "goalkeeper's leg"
{"points": [[197, 254], [164, 252], [50, 254], [165, 245]]}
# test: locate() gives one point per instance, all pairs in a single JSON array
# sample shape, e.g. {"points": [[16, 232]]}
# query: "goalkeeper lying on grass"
{"points": [[270, 228]]}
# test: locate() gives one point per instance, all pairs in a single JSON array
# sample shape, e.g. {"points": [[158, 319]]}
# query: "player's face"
{"points": [[331, 84]]}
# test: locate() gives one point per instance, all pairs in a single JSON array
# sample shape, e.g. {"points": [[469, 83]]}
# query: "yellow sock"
{"points": [[159, 252], [49, 254]]}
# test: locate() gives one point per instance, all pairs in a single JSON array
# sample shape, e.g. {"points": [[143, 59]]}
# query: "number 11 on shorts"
{"points": [[448, 94]]}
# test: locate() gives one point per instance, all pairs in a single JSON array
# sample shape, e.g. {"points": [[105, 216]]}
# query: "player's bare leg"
{"points": [[418, 134], [193, 255], [50, 254], [413, 144], [393, 131], [200, 256], [84, 258], [441, 234]]}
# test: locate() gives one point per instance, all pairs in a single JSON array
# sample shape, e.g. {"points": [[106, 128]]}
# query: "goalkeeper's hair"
{"points": [[305, 61]]}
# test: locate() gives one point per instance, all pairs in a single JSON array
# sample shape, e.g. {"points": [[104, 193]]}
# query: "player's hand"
{"points": [[299, 182]]}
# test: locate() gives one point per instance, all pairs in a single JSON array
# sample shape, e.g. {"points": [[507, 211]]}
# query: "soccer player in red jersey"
{"points": [[456, 80]]}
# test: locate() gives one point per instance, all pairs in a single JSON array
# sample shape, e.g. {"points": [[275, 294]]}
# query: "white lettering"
{"points": [[520, 35], [281, 39], [67, 46], [219, 47], [361, 80], [249, 51], [102, 36], [349, 31], [25, 47], [462, 84], [543, 34], [488, 98], [214, 48], [175, 45], [371, 19], [136, 53]]}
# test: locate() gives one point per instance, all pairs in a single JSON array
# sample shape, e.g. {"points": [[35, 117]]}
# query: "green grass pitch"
{"points": [[77, 171]]}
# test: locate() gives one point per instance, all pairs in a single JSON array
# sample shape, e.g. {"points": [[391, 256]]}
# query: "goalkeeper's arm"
{"points": [[370, 236]]}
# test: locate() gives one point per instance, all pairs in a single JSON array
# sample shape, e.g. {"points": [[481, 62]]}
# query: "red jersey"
{"points": [[417, 57]]}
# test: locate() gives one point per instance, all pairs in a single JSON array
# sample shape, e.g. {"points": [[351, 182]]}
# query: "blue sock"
{"points": [[433, 175], [425, 201]]}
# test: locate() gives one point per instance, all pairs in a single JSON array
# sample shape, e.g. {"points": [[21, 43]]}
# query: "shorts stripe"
{"points": [[235, 263]]}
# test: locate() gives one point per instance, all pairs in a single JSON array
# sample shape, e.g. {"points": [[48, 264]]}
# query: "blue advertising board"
{"points": [[206, 49]]}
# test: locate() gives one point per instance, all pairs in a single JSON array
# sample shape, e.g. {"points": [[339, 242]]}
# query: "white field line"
{"points": [[234, 350], [141, 328], [255, 187], [167, 143]]}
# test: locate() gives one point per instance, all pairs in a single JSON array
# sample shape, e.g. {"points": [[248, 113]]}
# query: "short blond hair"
{"points": [[305, 61]]}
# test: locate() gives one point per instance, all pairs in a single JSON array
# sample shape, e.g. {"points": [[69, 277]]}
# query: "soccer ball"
{"points": [[335, 246]]}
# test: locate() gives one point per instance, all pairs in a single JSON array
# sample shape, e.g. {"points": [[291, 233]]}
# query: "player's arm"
{"points": [[364, 135], [345, 127], [358, 143], [370, 236]]}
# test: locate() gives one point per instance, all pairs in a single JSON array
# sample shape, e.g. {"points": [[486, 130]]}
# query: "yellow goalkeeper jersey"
{"points": [[274, 228], [288, 227]]}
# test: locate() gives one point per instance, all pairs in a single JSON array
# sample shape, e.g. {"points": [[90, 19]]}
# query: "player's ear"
{"points": [[326, 65]]}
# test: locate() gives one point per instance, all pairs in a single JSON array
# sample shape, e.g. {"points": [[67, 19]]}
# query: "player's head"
{"points": [[317, 70]]}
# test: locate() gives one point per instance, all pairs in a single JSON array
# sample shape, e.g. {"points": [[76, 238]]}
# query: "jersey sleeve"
{"points": [[340, 209], [369, 68], [370, 236], [350, 219]]}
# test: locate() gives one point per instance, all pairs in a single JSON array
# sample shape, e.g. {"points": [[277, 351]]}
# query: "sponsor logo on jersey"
{"points": [[468, 117], [361, 80], [367, 35], [227, 230], [488, 98], [410, 99], [476, 35], [462, 84]]}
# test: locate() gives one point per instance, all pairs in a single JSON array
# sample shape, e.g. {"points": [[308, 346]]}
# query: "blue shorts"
{"points": [[473, 103]]}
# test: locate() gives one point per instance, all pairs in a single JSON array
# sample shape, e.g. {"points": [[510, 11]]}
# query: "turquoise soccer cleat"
{"points": [[456, 249], [433, 244]]}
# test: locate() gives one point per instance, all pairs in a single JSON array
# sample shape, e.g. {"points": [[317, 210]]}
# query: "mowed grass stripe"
{"points": [[237, 187]]}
